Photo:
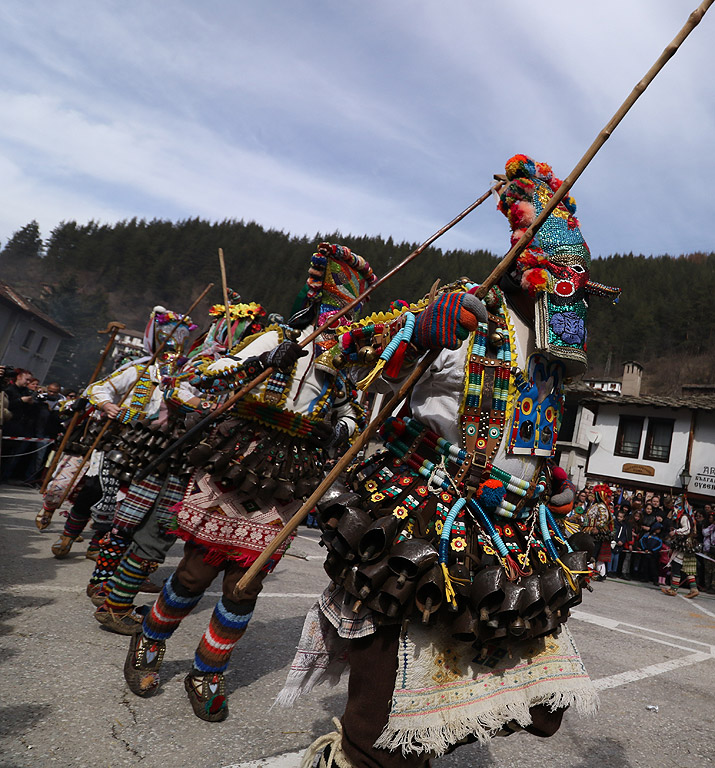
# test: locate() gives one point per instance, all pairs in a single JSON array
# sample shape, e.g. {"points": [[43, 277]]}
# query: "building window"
{"points": [[41, 345], [628, 440], [658, 439], [29, 336]]}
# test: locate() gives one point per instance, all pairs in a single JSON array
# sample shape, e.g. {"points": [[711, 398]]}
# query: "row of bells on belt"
{"points": [[137, 445], [279, 467], [82, 438], [394, 576]]}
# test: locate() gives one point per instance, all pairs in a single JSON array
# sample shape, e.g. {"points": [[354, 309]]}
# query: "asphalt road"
{"points": [[63, 701]]}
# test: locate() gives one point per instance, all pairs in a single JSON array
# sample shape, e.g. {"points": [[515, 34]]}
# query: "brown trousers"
{"points": [[197, 576], [373, 669]]}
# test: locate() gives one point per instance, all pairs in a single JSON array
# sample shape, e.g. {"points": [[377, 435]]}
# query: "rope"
{"points": [[30, 439], [25, 453]]}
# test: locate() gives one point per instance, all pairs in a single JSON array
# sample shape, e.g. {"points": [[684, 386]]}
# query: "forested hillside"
{"points": [[85, 275]]}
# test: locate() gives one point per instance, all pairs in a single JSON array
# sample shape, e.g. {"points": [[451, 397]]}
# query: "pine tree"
{"points": [[24, 245]]}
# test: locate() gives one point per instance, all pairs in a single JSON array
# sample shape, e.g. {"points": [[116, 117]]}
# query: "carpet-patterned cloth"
{"points": [[61, 478], [153, 492], [103, 510], [445, 692], [230, 524]]}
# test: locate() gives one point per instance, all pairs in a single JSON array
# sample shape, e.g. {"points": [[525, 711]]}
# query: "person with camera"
{"points": [[21, 404]]}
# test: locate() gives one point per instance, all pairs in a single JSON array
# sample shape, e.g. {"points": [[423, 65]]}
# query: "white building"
{"points": [[128, 344], [648, 442]]}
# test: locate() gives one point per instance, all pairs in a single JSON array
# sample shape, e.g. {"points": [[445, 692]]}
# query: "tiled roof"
{"points": [[693, 402], [11, 297]]}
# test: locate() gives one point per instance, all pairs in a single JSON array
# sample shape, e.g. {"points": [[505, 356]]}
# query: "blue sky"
{"points": [[367, 117]]}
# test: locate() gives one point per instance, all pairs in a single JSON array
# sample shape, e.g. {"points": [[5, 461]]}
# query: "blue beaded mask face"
{"points": [[554, 267], [561, 309]]}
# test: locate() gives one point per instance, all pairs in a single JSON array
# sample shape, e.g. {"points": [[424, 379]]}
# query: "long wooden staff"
{"points": [[113, 328], [224, 287], [144, 369], [693, 20], [201, 425]]}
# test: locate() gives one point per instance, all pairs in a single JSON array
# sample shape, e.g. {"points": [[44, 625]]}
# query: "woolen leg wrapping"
{"points": [[172, 605], [114, 545], [675, 575], [82, 508], [224, 631], [124, 585]]}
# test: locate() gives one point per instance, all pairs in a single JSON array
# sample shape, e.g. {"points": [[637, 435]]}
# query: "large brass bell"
{"points": [[378, 537], [430, 593], [410, 558], [368, 578], [487, 592]]}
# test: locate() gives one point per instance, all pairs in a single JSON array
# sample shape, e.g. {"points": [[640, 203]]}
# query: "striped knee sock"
{"points": [[124, 585], [228, 622], [76, 521], [110, 554], [170, 607]]}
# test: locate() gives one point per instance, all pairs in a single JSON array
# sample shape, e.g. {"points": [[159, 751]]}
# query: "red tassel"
{"points": [[394, 364]]}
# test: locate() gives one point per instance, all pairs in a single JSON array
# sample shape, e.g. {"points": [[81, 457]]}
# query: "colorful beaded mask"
{"points": [[538, 408], [554, 268], [159, 328], [336, 277], [246, 319], [603, 493]]}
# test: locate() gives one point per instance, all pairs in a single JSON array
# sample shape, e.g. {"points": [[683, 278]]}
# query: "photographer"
{"points": [[46, 424], [22, 406]]}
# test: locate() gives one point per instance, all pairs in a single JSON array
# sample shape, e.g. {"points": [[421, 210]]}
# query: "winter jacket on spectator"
{"points": [[651, 543], [709, 539]]}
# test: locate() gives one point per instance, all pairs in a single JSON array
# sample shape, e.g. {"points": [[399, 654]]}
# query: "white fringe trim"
{"points": [[288, 696], [437, 739]]}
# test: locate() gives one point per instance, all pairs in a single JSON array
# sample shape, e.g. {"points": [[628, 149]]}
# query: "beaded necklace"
{"points": [[487, 375], [141, 395], [402, 438]]}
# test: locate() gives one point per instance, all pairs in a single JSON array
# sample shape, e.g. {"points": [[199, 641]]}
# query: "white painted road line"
{"points": [[287, 760], [613, 681], [631, 676], [692, 602], [40, 588], [643, 632]]}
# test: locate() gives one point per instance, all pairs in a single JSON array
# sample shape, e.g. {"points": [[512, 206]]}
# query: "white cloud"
{"points": [[365, 117]]}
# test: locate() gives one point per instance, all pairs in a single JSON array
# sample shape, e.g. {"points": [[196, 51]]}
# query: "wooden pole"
{"points": [[201, 425], [145, 368], [227, 308], [693, 20], [113, 328], [503, 266]]}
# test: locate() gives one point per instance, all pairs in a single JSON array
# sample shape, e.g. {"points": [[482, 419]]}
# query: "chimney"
{"points": [[632, 376]]}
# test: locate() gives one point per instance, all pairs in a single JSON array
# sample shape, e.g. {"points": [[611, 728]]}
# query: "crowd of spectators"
{"points": [[640, 530], [30, 419]]}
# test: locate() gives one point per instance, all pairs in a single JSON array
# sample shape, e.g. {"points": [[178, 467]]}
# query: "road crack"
{"points": [[117, 725]]}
